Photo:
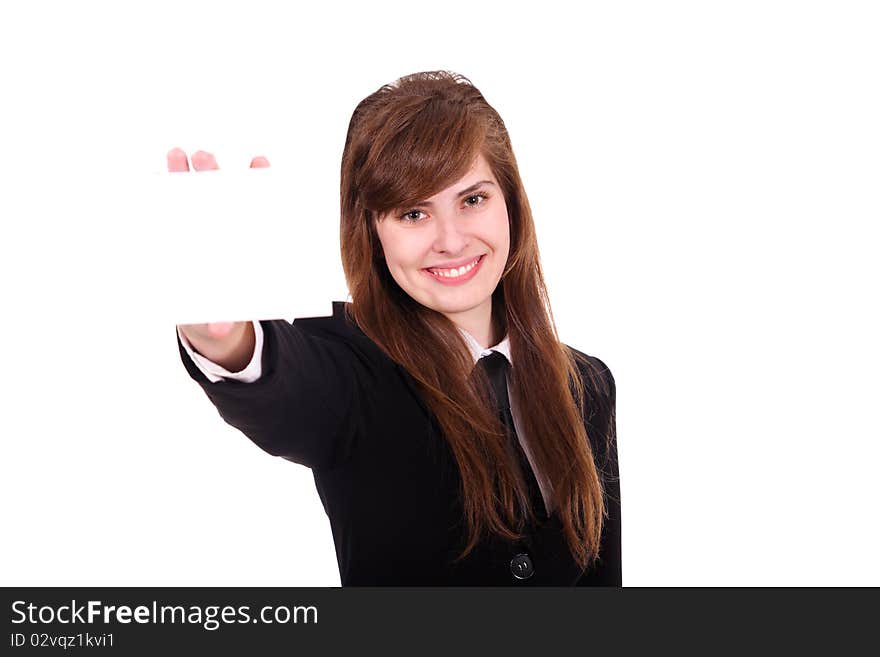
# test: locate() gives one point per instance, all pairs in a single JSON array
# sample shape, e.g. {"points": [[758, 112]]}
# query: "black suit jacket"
{"points": [[330, 399]]}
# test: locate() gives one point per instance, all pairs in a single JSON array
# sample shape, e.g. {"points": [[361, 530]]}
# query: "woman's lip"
{"points": [[457, 280], [456, 265]]}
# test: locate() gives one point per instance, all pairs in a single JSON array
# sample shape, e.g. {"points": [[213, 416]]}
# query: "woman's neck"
{"points": [[479, 323]]}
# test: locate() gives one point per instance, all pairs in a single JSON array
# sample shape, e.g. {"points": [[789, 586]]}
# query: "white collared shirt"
{"points": [[253, 370]]}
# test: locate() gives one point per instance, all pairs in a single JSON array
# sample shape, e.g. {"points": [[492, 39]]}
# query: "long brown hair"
{"points": [[405, 142]]}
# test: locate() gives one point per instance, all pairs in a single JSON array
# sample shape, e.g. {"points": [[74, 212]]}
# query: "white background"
{"points": [[704, 178]]}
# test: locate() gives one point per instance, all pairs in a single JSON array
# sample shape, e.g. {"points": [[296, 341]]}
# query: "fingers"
{"points": [[204, 161], [201, 161], [177, 160]]}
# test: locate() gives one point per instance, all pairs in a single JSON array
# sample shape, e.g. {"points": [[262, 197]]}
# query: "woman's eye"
{"points": [[412, 216]]}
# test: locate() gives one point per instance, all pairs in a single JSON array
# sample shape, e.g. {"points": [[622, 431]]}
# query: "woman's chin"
{"points": [[456, 303]]}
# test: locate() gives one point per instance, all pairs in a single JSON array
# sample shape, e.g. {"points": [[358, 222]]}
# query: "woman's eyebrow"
{"points": [[467, 190]]}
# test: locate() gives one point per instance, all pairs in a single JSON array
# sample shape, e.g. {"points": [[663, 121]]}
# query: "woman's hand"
{"points": [[229, 344]]}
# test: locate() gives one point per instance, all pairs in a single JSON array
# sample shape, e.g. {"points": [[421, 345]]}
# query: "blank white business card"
{"points": [[233, 244]]}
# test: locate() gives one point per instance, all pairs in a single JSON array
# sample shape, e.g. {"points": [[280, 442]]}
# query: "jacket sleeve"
{"points": [[602, 429], [305, 405]]}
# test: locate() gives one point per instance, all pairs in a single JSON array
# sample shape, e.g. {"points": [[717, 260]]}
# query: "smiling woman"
{"points": [[460, 235], [453, 438]]}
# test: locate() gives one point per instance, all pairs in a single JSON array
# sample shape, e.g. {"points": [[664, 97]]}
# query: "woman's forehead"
{"points": [[479, 172], [397, 178]]}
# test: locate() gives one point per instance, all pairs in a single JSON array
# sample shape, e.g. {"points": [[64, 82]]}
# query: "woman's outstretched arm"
{"points": [[302, 403]]}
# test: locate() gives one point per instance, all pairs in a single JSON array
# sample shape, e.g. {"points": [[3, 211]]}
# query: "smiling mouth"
{"points": [[455, 272]]}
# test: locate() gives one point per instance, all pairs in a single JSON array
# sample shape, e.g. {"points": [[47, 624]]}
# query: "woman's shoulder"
{"points": [[599, 409], [341, 332], [595, 374], [338, 322], [338, 326]]}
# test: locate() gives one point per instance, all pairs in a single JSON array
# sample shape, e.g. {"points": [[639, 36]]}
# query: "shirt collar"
{"points": [[477, 351]]}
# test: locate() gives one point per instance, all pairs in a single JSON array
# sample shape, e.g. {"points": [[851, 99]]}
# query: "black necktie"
{"points": [[495, 365]]}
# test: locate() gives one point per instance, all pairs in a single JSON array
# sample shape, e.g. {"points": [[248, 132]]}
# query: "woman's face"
{"points": [[449, 251]]}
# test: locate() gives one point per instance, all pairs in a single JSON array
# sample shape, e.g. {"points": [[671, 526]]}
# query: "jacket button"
{"points": [[521, 566]]}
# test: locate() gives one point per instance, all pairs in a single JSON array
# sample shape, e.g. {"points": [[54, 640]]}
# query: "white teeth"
{"points": [[454, 273]]}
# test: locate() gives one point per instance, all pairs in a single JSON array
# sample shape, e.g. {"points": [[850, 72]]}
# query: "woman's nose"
{"points": [[449, 237]]}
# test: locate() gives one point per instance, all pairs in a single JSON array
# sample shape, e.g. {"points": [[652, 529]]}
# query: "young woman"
{"points": [[454, 439]]}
